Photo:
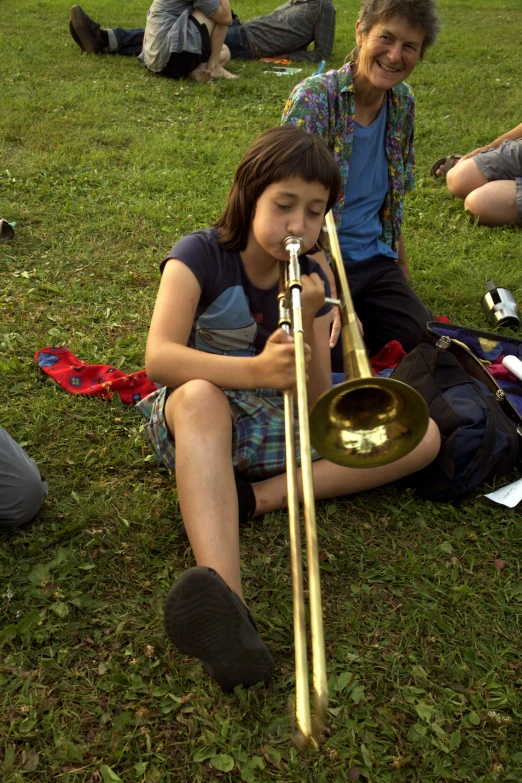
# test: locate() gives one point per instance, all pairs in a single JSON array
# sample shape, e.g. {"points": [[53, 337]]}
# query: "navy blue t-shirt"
{"points": [[233, 316]]}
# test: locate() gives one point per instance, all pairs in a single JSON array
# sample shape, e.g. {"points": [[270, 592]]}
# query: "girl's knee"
{"points": [[429, 446], [197, 399]]}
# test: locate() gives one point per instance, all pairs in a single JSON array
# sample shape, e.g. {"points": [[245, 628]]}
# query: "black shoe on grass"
{"points": [[205, 619], [87, 33]]}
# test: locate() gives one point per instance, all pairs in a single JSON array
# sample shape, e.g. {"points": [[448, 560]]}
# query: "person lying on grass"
{"points": [[488, 179], [218, 421], [287, 32], [180, 38]]}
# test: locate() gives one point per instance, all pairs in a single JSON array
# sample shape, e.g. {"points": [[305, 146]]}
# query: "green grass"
{"points": [[103, 168]]}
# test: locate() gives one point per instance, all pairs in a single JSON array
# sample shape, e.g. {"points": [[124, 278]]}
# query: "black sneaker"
{"points": [[205, 619], [87, 33]]}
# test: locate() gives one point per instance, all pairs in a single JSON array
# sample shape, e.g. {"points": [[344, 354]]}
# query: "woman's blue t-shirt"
{"points": [[366, 188]]}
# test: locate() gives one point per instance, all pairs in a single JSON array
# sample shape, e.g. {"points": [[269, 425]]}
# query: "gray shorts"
{"points": [[505, 162], [22, 489]]}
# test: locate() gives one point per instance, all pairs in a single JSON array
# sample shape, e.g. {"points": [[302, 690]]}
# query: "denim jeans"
{"points": [[129, 42], [237, 42]]}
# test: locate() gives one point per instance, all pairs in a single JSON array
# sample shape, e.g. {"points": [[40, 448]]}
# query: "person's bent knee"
{"points": [[464, 178], [429, 446], [472, 203], [198, 399], [22, 504], [456, 183]]}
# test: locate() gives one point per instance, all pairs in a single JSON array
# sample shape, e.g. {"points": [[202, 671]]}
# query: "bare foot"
{"points": [[220, 73], [201, 73]]}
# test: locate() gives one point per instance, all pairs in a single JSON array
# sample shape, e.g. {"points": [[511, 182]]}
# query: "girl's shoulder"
{"points": [[199, 245], [214, 267]]}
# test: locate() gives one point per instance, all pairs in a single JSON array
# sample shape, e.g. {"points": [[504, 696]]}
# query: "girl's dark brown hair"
{"points": [[279, 153]]}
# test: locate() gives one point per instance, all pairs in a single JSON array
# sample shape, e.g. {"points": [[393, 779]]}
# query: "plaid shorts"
{"points": [[258, 431]]}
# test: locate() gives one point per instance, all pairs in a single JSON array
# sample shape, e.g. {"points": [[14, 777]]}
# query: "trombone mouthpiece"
{"points": [[293, 245]]}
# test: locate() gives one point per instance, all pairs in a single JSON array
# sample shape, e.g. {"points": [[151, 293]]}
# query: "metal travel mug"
{"points": [[499, 307]]}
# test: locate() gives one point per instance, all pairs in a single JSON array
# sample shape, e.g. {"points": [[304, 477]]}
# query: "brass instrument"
{"points": [[290, 319], [363, 422]]}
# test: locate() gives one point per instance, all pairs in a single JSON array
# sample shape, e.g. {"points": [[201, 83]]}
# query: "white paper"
{"points": [[509, 495]]}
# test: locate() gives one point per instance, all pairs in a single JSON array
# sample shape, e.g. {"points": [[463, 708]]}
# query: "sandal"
{"points": [[448, 162], [205, 619]]}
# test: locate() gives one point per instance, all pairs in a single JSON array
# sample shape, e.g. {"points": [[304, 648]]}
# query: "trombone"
{"points": [[362, 422]]}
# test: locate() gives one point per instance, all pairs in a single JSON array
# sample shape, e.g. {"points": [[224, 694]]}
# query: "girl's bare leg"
{"points": [[333, 480], [198, 414]]}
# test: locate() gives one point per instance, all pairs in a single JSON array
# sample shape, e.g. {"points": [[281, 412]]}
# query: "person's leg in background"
{"points": [[219, 54], [490, 183], [92, 38], [388, 307], [237, 42]]}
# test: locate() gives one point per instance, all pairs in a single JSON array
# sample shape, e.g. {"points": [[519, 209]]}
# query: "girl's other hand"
{"points": [[312, 297], [276, 363]]}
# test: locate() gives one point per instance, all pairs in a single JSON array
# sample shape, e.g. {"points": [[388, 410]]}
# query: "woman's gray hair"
{"points": [[418, 13]]}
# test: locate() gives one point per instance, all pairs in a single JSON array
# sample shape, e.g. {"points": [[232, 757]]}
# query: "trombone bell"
{"points": [[367, 422], [364, 422]]}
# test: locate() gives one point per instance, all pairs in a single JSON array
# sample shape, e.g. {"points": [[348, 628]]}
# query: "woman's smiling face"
{"points": [[388, 52]]}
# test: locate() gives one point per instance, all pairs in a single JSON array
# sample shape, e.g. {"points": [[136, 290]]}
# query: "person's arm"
{"points": [[335, 315], [402, 260], [223, 14], [169, 361], [324, 33], [514, 135]]}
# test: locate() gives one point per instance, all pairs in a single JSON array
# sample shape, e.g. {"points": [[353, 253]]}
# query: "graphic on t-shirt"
{"points": [[227, 326]]}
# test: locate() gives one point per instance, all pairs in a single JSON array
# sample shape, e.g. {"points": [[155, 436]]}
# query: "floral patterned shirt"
{"points": [[325, 105]]}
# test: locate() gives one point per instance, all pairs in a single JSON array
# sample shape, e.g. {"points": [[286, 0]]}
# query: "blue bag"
{"points": [[479, 439]]}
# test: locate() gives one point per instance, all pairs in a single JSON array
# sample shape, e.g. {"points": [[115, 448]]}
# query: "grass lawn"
{"points": [[103, 168]]}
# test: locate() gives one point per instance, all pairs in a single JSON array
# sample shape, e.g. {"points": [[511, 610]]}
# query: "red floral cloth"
{"points": [[96, 380]]}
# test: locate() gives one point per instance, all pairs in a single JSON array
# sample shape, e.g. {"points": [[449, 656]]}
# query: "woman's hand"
{"points": [[275, 366]]}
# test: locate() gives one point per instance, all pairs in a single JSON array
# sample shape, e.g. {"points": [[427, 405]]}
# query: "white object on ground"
{"points": [[514, 365], [509, 495]]}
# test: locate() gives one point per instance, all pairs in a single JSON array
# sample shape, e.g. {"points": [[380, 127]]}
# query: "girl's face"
{"points": [[388, 52], [291, 207]]}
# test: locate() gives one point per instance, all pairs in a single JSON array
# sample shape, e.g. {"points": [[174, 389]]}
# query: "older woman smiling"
{"points": [[365, 114]]}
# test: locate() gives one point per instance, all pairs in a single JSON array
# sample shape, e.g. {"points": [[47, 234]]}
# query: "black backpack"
{"points": [[479, 440]]}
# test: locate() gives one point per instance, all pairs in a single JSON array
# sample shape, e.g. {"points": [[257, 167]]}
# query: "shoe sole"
{"points": [[205, 619], [80, 24]]}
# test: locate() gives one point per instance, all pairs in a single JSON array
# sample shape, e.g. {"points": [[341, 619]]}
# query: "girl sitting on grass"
{"points": [[215, 344]]}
